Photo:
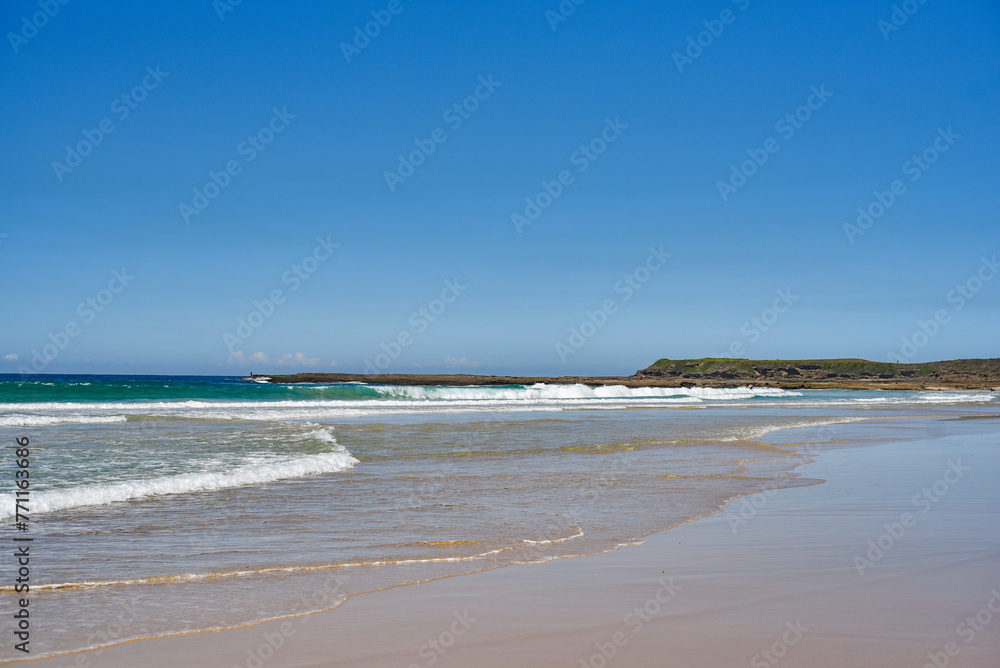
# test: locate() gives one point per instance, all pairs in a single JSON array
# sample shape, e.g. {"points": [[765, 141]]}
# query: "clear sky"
{"points": [[334, 167]]}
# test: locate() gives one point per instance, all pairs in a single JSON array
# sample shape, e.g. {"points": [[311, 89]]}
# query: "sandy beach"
{"points": [[893, 561]]}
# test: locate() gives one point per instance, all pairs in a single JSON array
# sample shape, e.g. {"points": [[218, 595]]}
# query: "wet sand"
{"points": [[785, 578]]}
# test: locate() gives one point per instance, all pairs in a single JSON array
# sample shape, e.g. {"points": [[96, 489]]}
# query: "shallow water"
{"points": [[162, 505]]}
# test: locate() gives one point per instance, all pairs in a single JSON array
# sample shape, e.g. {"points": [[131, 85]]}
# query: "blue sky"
{"points": [[642, 110]]}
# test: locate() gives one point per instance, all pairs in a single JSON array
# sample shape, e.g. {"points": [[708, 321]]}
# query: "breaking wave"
{"points": [[543, 391], [259, 469]]}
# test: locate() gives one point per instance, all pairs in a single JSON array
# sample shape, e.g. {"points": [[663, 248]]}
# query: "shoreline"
{"points": [[779, 473], [424, 609]]}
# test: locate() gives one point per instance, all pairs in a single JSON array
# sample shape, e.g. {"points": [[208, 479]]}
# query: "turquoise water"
{"points": [[23, 389], [189, 503]]}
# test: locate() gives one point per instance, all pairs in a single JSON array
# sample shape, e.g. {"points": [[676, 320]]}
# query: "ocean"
{"points": [[170, 504]]}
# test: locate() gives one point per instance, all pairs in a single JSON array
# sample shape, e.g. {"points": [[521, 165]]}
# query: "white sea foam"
{"points": [[955, 397], [259, 470], [894, 398], [403, 400], [401, 396], [43, 420], [321, 433], [543, 391], [553, 541], [316, 409], [754, 433]]}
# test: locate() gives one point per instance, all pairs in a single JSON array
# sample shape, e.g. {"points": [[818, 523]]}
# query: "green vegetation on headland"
{"points": [[843, 373], [854, 374]]}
